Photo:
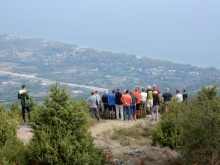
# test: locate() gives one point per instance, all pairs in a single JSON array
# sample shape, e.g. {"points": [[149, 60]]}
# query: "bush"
{"points": [[62, 134], [14, 152], [194, 128], [168, 131], [7, 126], [201, 135]]}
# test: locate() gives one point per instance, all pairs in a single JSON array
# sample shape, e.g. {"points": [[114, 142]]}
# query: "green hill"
{"points": [[57, 61]]}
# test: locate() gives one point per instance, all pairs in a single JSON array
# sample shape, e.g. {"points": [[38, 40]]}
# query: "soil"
{"points": [[108, 125]]}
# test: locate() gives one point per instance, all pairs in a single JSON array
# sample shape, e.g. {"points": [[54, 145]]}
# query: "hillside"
{"points": [[123, 142], [57, 61]]}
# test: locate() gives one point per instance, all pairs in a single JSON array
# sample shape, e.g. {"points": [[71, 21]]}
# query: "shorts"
{"points": [[149, 103], [166, 103], [112, 108]]}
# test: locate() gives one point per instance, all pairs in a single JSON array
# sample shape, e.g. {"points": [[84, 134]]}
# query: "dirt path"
{"points": [[106, 125], [24, 132]]}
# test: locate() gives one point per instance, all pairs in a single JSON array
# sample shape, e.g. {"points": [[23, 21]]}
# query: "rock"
{"points": [[117, 162], [153, 148], [98, 138], [153, 123], [136, 153], [149, 116], [143, 124], [24, 132]]}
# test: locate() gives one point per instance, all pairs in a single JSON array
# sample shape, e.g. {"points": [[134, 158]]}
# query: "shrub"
{"points": [[201, 134], [194, 128], [7, 126], [62, 134], [14, 152], [168, 131]]}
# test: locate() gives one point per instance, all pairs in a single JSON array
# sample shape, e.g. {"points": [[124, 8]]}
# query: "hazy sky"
{"points": [[184, 31]]}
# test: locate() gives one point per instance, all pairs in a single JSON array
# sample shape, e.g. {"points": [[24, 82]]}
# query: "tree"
{"points": [[193, 128], [62, 134], [201, 133], [168, 132], [7, 126]]}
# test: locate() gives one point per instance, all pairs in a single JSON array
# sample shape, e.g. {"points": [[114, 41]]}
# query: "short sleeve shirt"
{"points": [[167, 96]]}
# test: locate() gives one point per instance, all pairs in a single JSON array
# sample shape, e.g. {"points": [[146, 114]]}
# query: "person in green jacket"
{"points": [[25, 102]]}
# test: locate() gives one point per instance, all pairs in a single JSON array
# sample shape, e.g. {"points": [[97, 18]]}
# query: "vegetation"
{"points": [[193, 128], [60, 133], [67, 63]]}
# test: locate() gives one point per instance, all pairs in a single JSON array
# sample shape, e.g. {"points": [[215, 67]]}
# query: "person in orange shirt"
{"points": [[127, 100], [138, 95]]}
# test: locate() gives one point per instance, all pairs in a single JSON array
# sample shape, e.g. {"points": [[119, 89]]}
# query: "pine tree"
{"points": [[7, 126], [62, 134], [201, 133]]}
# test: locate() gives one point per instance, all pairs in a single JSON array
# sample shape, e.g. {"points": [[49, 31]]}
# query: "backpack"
{"points": [[149, 94]]}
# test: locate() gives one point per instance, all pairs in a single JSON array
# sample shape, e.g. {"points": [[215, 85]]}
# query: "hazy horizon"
{"points": [[185, 32]]}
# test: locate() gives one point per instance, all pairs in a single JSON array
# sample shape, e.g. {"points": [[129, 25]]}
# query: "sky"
{"points": [[182, 31]]}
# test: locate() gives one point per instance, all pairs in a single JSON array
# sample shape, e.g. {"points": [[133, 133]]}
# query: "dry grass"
{"points": [[119, 140]]}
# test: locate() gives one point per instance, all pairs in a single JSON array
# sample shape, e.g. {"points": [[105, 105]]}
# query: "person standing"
{"points": [[156, 89], [138, 96], [111, 102], [179, 96], [133, 106], [167, 96], [119, 104], [185, 95], [156, 104], [92, 102], [99, 106], [126, 99], [143, 103], [149, 98], [105, 103], [25, 102]]}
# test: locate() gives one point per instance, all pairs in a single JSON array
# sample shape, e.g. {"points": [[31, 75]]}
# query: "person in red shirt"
{"points": [[127, 100], [156, 89], [138, 95]]}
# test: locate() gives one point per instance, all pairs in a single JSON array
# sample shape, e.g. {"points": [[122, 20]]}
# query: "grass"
{"points": [[136, 132], [121, 140]]}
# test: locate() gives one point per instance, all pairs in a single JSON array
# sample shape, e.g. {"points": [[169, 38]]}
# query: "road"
{"points": [[52, 81]]}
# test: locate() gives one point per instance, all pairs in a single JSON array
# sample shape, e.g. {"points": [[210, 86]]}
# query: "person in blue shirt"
{"points": [[111, 102]]}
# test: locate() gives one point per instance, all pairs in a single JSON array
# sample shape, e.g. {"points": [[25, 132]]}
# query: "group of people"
{"points": [[131, 105]]}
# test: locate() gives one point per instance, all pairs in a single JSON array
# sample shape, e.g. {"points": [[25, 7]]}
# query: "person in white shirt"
{"points": [[179, 96], [143, 103]]}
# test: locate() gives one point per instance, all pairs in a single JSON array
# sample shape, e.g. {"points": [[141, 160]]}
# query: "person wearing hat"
{"points": [[156, 104], [149, 98], [119, 104], [156, 89]]}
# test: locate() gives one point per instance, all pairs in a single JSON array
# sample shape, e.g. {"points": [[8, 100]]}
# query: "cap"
{"points": [[155, 92], [118, 89]]}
